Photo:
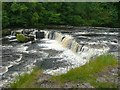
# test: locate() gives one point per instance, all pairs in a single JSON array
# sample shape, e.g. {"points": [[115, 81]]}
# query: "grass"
{"points": [[27, 80], [86, 73], [89, 71]]}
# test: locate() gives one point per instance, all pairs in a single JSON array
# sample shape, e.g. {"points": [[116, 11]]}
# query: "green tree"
{"points": [[36, 14]]}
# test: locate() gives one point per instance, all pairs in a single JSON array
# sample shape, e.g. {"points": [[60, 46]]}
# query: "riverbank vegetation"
{"points": [[27, 80], [59, 15], [90, 72], [42, 14]]}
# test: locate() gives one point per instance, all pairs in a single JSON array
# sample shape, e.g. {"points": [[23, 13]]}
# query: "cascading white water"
{"points": [[12, 33], [46, 34], [71, 52], [69, 42], [66, 41], [74, 46], [75, 53], [58, 37]]}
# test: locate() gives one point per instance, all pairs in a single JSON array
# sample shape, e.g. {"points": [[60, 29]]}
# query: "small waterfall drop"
{"points": [[66, 41], [13, 33], [74, 46], [70, 42], [58, 37], [46, 34]]}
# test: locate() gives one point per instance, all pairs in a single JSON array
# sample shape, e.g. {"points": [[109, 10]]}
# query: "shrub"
{"points": [[21, 38]]}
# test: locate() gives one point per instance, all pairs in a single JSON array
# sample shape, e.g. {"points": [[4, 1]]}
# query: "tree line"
{"points": [[37, 14]]}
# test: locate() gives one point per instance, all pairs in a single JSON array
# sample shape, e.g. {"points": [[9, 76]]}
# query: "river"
{"points": [[57, 53]]}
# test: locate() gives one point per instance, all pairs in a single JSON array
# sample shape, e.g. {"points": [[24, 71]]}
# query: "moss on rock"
{"points": [[22, 38]]}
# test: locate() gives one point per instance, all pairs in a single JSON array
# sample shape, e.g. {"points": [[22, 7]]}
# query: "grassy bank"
{"points": [[86, 73], [27, 80], [89, 72]]}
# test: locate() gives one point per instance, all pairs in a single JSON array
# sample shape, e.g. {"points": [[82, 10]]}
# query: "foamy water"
{"points": [[23, 48], [4, 69], [52, 44], [44, 51], [73, 59]]}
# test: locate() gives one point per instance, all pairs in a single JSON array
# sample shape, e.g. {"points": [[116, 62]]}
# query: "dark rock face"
{"points": [[39, 35], [27, 31], [51, 35], [31, 38]]}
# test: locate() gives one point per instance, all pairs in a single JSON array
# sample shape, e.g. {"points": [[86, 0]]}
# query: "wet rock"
{"points": [[87, 85], [39, 35], [18, 32], [51, 35], [115, 41], [27, 31], [30, 38]]}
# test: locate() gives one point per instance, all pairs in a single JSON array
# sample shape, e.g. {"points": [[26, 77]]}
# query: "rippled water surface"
{"points": [[50, 55]]}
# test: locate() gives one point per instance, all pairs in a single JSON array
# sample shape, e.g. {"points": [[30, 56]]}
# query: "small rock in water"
{"points": [[39, 35], [115, 40]]}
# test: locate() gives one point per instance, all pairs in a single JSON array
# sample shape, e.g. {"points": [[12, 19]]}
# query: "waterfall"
{"points": [[74, 46], [46, 34], [58, 36], [13, 33], [49, 34], [74, 53], [70, 42], [66, 41]]}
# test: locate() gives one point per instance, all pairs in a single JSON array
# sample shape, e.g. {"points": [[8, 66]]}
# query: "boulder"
{"points": [[30, 38], [18, 32], [39, 35], [26, 31], [21, 38]]}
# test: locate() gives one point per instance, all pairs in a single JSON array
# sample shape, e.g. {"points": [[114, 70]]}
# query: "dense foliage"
{"points": [[19, 14]]}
